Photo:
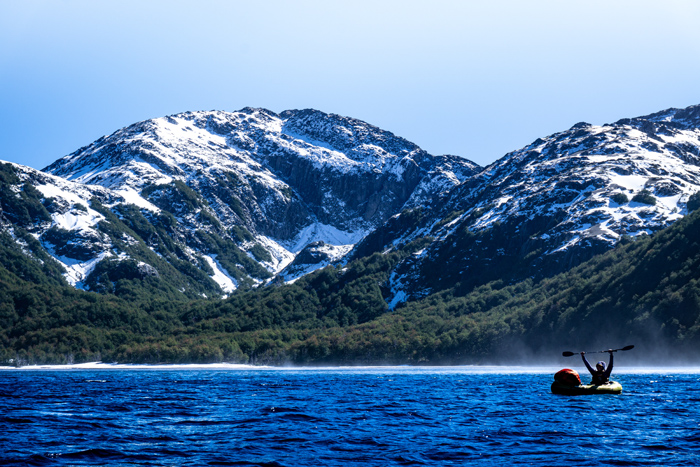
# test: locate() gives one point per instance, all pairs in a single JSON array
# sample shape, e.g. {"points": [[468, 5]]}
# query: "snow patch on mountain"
{"points": [[332, 253], [76, 220], [315, 256], [130, 196], [77, 271], [78, 217], [227, 283], [632, 182], [281, 256], [325, 233]]}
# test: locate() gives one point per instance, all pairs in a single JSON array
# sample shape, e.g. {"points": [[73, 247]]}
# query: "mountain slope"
{"points": [[551, 205], [97, 240], [645, 292], [232, 199]]}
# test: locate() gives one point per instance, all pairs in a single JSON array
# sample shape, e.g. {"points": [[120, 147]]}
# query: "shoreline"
{"points": [[466, 369]]}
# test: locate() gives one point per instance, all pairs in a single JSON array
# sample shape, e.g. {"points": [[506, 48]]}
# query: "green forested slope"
{"points": [[644, 292]]}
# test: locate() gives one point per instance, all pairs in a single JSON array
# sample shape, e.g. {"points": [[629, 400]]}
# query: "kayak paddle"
{"points": [[569, 354]]}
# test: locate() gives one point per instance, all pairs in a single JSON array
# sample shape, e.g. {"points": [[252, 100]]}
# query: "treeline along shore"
{"points": [[644, 291]]}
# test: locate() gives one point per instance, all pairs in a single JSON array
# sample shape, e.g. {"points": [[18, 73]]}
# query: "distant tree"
{"points": [[644, 197], [694, 202], [620, 198]]}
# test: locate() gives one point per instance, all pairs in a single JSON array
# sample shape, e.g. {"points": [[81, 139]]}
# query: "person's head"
{"points": [[600, 366]]}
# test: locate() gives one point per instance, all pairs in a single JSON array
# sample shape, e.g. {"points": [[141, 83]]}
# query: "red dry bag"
{"points": [[568, 377]]}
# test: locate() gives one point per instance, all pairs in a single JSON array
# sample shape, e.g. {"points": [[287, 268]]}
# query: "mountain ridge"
{"points": [[270, 185], [554, 203]]}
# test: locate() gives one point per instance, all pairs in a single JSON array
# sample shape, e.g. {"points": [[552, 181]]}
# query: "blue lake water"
{"points": [[367, 416]]}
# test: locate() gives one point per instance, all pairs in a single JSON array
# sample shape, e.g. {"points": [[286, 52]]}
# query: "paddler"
{"points": [[601, 374]]}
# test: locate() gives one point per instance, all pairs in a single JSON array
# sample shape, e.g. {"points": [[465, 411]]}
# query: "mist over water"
{"points": [[343, 416]]}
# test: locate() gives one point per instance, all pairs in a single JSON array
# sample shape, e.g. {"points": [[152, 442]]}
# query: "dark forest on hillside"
{"points": [[645, 292]]}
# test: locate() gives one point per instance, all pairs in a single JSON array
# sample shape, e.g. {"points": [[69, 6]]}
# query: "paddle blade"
{"points": [[568, 354], [629, 347]]}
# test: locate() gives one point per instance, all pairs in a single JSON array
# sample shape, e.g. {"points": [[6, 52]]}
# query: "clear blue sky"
{"points": [[472, 78]]}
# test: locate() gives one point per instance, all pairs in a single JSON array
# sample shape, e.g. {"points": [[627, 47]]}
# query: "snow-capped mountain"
{"points": [[240, 195], [202, 203], [551, 205], [275, 174]]}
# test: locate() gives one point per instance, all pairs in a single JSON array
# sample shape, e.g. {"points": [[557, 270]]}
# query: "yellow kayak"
{"points": [[611, 387]]}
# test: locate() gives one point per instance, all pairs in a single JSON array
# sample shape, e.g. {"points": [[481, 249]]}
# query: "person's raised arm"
{"points": [[608, 370], [588, 365]]}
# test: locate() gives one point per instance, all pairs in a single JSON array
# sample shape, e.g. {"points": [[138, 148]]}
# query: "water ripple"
{"points": [[334, 418]]}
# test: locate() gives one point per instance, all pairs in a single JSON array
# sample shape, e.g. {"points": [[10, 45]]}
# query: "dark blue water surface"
{"points": [[384, 416]]}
